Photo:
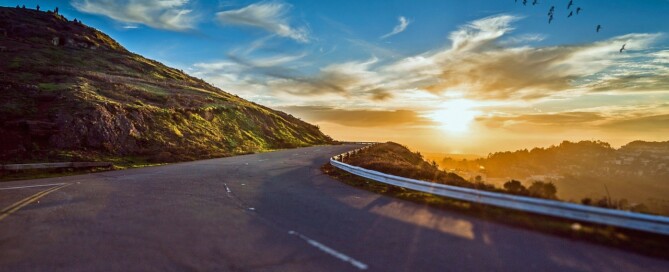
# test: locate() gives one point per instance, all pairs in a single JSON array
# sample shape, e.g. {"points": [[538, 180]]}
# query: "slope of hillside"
{"points": [[68, 91], [395, 159]]}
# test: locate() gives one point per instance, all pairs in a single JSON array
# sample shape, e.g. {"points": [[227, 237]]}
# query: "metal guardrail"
{"points": [[625, 219], [27, 166], [356, 142]]}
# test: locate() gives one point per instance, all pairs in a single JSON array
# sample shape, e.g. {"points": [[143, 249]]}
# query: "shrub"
{"points": [[543, 190], [515, 187]]}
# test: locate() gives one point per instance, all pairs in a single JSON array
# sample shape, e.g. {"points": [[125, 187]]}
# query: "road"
{"points": [[264, 212]]}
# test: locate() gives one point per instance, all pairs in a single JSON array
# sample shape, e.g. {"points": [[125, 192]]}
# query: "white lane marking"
{"points": [[32, 186], [227, 189], [358, 264]]}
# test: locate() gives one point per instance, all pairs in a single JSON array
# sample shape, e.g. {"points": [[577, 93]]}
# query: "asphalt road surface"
{"points": [[264, 212]]}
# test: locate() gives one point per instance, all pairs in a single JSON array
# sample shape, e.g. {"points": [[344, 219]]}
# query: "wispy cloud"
{"points": [[269, 16], [169, 15], [399, 28], [480, 64], [637, 118], [359, 118]]}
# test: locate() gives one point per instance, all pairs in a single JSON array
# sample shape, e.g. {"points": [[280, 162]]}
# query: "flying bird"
{"points": [[571, 3], [571, 13], [598, 28], [550, 19], [622, 48], [534, 2], [578, 10], [524, 2], [550, 11]]}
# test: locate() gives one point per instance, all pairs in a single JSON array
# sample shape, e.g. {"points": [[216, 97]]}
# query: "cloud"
{"points": [[479, 64], [165, 14], [403, 24], [269, 16], [634, 118], [653, 123], [276, 74], [359, 118], [644, 71], [550, 119], [482, 61]]}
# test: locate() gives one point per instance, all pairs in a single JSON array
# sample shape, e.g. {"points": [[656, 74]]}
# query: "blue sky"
{"points": [[334, 23], [437, 75]]}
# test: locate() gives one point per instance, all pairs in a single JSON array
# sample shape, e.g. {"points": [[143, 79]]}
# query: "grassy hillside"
{"points": [[396, 159], [70, 92]]}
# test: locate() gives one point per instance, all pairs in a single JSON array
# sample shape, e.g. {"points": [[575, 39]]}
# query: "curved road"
{"points": [[263, 212]]}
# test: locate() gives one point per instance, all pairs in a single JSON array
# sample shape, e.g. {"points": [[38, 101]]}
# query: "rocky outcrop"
{"points": [[111, 129]]}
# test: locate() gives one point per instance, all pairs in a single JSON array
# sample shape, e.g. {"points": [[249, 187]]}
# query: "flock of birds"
{"points": [[551, 14]]}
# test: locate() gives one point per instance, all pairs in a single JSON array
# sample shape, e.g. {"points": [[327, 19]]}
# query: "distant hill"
{"points": [[440, 156], [68, 91], [637, 172], [637, 158]]}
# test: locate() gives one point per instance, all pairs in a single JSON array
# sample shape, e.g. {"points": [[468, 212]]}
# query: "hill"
{"points": [[635, 173], [395, 159], [70, 92]]}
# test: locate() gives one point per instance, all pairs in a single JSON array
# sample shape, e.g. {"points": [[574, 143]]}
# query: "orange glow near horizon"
{"points": [[477, 138]]}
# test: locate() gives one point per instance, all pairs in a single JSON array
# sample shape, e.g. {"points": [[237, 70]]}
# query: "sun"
{"points": [[455, 116]]}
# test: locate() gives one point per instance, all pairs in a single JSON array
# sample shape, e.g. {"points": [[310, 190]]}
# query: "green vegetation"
{"points": [[69, 92], [395, 159]]}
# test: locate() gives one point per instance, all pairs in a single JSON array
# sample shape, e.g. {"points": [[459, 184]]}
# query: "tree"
{"points": [[37, 7], [543, 190], [515, 187], [478, 179], [55, 10]]}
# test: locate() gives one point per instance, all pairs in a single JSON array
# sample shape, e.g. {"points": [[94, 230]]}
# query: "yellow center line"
{"points": [[24, 202]]}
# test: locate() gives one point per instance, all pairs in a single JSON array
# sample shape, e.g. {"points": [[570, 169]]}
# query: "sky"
{"points": [[469, 77]]}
